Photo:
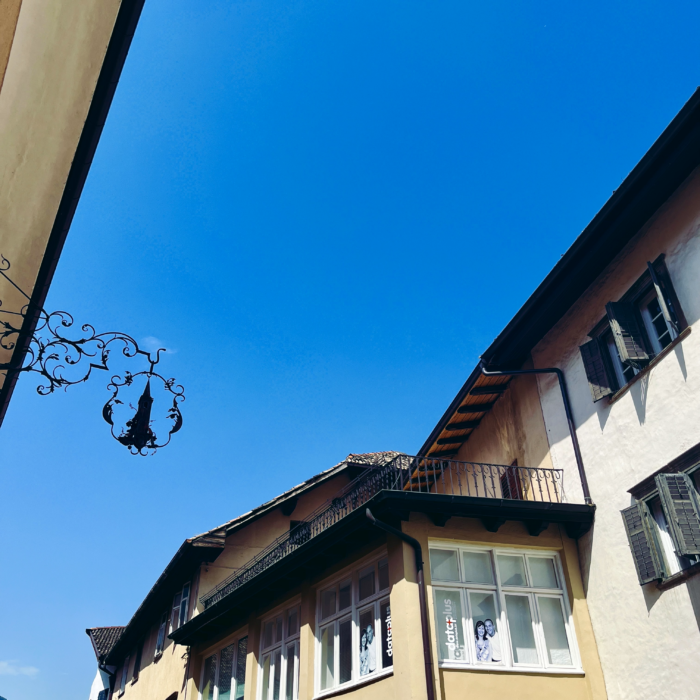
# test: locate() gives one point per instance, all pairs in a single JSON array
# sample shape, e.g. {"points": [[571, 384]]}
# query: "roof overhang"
{"points": [[181, 568], [662, 170], [120, 40], [355, 532]]}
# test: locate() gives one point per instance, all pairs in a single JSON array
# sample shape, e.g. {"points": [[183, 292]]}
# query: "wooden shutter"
{"points": [[679, 499], [626, 332], [643, 543], [594, 364]]}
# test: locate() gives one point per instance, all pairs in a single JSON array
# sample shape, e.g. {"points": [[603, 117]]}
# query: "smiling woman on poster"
{"points": [[483, 646]]}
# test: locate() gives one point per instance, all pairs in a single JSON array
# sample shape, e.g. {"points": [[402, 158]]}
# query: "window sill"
{"points": [[134, 680], [157, 657], [643, 372], [349, 687], [513, 669], [677, 579]]}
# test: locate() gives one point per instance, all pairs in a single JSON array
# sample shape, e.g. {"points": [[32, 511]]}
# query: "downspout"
{"points": [[567, 409], [421, 595]]}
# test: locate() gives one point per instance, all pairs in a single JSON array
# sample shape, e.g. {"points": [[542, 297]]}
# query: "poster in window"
{"points": [[387, 636], [368, 643], [448, 609]]}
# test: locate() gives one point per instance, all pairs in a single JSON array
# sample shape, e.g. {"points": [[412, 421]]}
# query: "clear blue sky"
{"points": [[327, 210]]}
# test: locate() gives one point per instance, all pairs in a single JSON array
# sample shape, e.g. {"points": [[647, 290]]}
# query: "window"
{"points": [[635, 330], [103, 694], [501, 608], [279, 658], [663, 529], [160, 640], [180, 606], [223, 673], [125, 671], [137, 662], [354, 639]]}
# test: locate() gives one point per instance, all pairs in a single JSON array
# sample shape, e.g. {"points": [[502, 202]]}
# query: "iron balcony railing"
{"points": [[406, 474]]}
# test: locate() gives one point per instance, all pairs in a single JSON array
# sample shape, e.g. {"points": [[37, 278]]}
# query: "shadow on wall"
{"points": [[585, 546], [694, 593]]}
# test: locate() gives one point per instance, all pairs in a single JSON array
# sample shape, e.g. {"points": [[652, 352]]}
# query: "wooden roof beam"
{"points": [[488, 390], [456, 440], [464, 425], [475, 408]]}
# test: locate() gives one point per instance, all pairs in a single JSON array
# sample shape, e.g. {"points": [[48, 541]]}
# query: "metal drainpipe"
{"points": [[421, 595], [567, 409]]}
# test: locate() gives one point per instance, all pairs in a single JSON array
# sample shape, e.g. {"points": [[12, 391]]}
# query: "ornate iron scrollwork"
{"points": [[63, 361]]}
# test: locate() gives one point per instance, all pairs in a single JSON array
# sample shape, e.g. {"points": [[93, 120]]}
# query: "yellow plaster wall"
{"points": [[513, 429], [55, 57], [160, 677]]}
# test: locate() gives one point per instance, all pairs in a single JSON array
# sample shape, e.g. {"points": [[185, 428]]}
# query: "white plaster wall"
{"points": [[649, 641], [100, 682]]}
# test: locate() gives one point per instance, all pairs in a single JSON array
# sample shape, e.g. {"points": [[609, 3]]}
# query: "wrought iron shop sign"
{"points": [[63, 361]]}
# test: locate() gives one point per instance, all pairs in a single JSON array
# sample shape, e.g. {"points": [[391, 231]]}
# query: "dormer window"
{"points": [[180, 608]]}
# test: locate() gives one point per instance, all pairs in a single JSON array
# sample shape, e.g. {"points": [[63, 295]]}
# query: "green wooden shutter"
{"points": [[594, 364], [626, 332], [643, 543], [679, 499]]}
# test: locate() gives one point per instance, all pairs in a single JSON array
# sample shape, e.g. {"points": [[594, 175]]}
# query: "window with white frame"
{"points": [[279, 656], [223, 673], [354, 639], [501, 607], [180, 607], [160, 639]]}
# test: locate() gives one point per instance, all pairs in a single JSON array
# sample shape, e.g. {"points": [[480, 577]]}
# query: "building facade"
{"points": [[544, 542]]}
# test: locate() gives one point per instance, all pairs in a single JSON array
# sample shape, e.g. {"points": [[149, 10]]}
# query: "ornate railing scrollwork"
{"points": [[64, 361]]}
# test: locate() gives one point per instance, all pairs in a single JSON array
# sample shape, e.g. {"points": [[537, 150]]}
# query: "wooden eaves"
{"points": [[661, 171]]}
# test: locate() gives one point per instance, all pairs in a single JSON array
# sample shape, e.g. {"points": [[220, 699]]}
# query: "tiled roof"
{"points": [[103, 639]]}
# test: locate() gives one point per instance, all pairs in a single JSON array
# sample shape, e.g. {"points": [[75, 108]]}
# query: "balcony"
{"points": [[440, 488]]}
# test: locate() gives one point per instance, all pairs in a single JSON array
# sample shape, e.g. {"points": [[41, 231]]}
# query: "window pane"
{"points": [[327, 651], [477, 567], [368, 642], [448, 611], [226, 672], [290, 675], [278, 630], [443, 565], [241, 658], [265, 678], [268, 633], [521, 635], [209, 678], [277, 676], [367, 584], [345, 598], [486, 636], [555, 639], [543, 572], [387, 636], [383, 570], [292, 622], [328, 603], [512, 570], [345, 651]]}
